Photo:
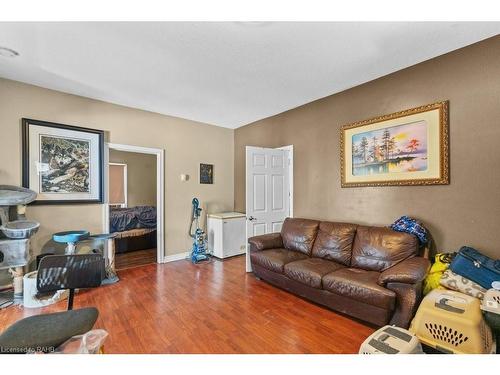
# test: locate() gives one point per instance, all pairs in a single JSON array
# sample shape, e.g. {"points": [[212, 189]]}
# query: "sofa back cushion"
{"points": [[379, 248], [334, 242], [299, 234]]}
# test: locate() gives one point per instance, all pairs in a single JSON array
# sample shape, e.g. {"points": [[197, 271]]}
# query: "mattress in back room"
{"points": [[121, 219]]}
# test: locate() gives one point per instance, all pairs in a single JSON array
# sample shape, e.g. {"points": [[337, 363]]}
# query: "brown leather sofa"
{"points": [[371, 273]]}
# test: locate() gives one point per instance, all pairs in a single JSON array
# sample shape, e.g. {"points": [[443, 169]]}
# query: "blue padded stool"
{"points": [[70, 238]]}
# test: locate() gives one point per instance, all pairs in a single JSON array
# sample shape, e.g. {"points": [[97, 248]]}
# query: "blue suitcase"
{"points": [[475, 266]]}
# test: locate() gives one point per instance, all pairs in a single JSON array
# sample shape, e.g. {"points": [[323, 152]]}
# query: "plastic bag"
{"points": [[89, 343], [412, 226], [441, 264]]}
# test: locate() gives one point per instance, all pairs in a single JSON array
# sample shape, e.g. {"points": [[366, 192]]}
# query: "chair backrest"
{"points": [[57, 272]]}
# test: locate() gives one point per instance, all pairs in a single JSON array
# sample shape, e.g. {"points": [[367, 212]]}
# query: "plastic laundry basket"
{"points": [[452, 322], [30, 298]]}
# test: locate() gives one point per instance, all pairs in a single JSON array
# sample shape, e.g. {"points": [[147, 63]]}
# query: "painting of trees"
{"points": [[392, 146], [412, 146], [374, 148], [386, 139], [364, 148], [405, 148], [355, 150], [402, 148]]}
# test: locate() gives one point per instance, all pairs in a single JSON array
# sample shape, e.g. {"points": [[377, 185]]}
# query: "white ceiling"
{"points": [[225, 73]]}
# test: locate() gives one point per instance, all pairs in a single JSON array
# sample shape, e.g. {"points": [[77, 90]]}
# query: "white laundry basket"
{"points": [[30, 300]]}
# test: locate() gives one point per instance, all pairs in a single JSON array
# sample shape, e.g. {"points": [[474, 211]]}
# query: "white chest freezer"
{"points": [[226, 234]]}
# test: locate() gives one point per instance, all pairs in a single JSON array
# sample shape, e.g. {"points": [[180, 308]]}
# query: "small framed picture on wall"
{"points": [[62, 163], [206, 173]]}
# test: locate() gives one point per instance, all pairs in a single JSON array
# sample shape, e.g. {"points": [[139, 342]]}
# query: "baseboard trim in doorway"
{"points": [[175, 257]]}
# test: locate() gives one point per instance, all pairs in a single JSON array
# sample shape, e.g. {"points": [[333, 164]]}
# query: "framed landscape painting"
{"points": [[404, 148], [62, 163]]}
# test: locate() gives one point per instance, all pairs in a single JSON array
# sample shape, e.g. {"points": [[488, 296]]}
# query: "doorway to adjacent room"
{"points": [[134, 204]]}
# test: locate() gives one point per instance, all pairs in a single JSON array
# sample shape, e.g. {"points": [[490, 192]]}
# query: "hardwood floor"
{"points": [[214, 307], [135, 259]]}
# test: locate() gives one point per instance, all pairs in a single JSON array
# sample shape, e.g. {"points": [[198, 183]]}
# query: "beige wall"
{"points": [[123, 125], [465, 212], [141, 176]]}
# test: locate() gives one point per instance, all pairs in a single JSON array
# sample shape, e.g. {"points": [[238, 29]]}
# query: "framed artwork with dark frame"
{"points": [[63, 163], [206, 173], [410, 147]]}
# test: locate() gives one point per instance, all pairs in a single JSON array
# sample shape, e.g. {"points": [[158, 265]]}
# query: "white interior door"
{"points": [[267, 191]]}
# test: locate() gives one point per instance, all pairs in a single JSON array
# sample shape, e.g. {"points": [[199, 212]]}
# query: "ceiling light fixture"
{"points": [[7, 52]]}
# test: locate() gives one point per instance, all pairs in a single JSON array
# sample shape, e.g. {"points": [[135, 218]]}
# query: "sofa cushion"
{"points": [[378, 248], [275, 259], [299, 234], [359, 285], [310, 271], [334, 242]]}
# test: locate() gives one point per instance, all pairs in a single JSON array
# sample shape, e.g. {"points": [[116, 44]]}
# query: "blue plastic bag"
{"points": [[411, 226]]}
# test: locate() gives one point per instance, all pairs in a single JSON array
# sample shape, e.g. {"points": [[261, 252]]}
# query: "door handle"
{"points": [[251, 218]]}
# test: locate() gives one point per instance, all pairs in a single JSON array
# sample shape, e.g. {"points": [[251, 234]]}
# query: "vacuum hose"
{"points": [[195, 214]]}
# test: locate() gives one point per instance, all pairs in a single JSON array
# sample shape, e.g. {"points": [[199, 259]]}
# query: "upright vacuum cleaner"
{"points": [[199, 252]]}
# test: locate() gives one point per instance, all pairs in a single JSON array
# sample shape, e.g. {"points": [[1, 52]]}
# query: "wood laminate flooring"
{"points": [[211, 307], [135, 259]]}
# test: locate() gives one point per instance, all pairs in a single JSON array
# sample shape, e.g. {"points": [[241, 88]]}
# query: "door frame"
{"points": [[288, 148], [160, 191]]}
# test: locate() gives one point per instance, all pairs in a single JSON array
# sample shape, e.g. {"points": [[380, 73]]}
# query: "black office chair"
{"points": [[46, 332], [59, 272]]}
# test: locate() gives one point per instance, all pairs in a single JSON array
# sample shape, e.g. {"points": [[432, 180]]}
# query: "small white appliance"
{"points": [[226, 234]]}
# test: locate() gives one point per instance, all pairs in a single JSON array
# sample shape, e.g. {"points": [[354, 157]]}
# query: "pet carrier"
{"points": [[451, 322], [391, 340], [477, 267], [491, 309]]}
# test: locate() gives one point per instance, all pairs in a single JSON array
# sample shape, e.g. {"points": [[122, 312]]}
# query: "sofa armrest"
{"points": [[409, 271], [265, 241]]}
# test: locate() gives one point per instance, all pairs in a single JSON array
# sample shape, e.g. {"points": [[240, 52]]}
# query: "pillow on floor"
{"points": [[454, 281]]}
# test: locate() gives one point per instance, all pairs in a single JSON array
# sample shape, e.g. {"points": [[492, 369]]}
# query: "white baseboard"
{"points": [[175, 257]]}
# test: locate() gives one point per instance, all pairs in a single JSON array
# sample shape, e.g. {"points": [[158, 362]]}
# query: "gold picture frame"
{"points": [[409, 147]]}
